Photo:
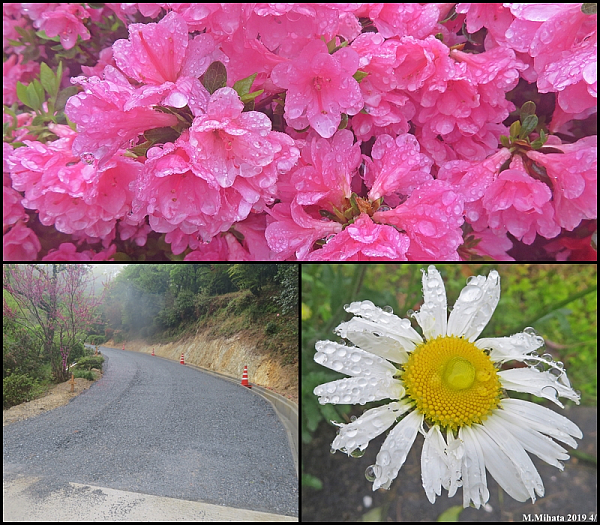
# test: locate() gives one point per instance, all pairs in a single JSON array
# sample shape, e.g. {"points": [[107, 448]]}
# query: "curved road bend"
{"points": [[156, 427]]}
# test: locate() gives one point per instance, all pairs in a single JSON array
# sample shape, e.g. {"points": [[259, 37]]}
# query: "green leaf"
{"points": [[215, 77], [343, 122], [42, 34], [515, 128], [40, 91], [529, 124], [48, 79], [589, 9], [121, 256], [504, 141], [59, 75], [359, 75], [64, 95], [32, 95], [22, 93], [451, 514], [251, 96], [311, 481], [243, 86], [527, 109], [161, 135], [328, 215]]}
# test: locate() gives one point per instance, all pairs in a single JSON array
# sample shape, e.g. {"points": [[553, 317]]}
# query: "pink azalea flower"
{"points": [[20, 244], [215, 174], [174, 197], [491, 245], [431, 217], [65, 21], [15, 71], [166, 63], [102, 121], [12, 208], [70, 194], [68, 252], [574, 177], [293, 231], [563, 41], [391, 19], [519, 204], [397, 166], [320, 87], [154, 53], [230, 148], [327, 175], [364, 240]]}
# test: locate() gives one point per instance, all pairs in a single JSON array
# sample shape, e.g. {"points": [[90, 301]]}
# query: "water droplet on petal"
{"points": [[88, 158], [370, 473]]}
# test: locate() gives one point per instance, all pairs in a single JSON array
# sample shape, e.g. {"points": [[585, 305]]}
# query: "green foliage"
{"points": [[184, 304], [271, 328], [18, 388], [215, 77], [77, 351], [98, 339], [161, 302], [89, 375], [287, 277], [251, 276], [20, 351], [87, 363]]}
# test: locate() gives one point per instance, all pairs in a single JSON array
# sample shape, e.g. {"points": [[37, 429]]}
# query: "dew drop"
{"points": [[370, 473], [357, 453], [88, 158], [388, 309]]}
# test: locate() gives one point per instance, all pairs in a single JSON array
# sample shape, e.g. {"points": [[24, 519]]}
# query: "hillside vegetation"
{"points": [[160, 303]]}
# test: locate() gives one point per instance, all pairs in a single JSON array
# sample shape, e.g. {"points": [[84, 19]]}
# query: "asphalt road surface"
{"points": [[157, 427]]}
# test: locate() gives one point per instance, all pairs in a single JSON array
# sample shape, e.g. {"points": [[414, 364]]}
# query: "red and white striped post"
{"points": [[181, 362]]}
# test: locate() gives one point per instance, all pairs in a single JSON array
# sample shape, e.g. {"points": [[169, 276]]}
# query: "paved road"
{"points": [[157, 427]]}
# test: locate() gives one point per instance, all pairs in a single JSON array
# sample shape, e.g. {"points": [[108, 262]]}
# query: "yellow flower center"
{"points": [[452, 382]]}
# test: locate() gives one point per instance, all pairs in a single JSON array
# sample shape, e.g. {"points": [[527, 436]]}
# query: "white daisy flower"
{"points": [[449, 387]]}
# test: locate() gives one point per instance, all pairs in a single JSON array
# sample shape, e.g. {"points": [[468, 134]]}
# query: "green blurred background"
{"points": [[558, 300]]}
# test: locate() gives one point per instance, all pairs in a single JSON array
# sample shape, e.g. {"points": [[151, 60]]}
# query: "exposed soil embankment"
{"points": [[227, 356]]}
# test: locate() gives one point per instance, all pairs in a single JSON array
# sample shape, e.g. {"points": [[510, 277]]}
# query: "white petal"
{"points": [[499, 465], [507, 443], [532, 440], [395, 448], [455, 451], [473, 469], [541, 384], [356, 435], [434, 464], [519, 347], [543, 420], [351, 360], [359, 390], [433, 315], [386, 322], [475, 306], [376, 339]]}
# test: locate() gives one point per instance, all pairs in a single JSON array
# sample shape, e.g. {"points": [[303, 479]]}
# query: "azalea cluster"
{"points": [[299, 131]]}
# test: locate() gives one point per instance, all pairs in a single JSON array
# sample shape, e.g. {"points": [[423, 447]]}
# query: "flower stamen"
{"points": [[452, 382]]}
